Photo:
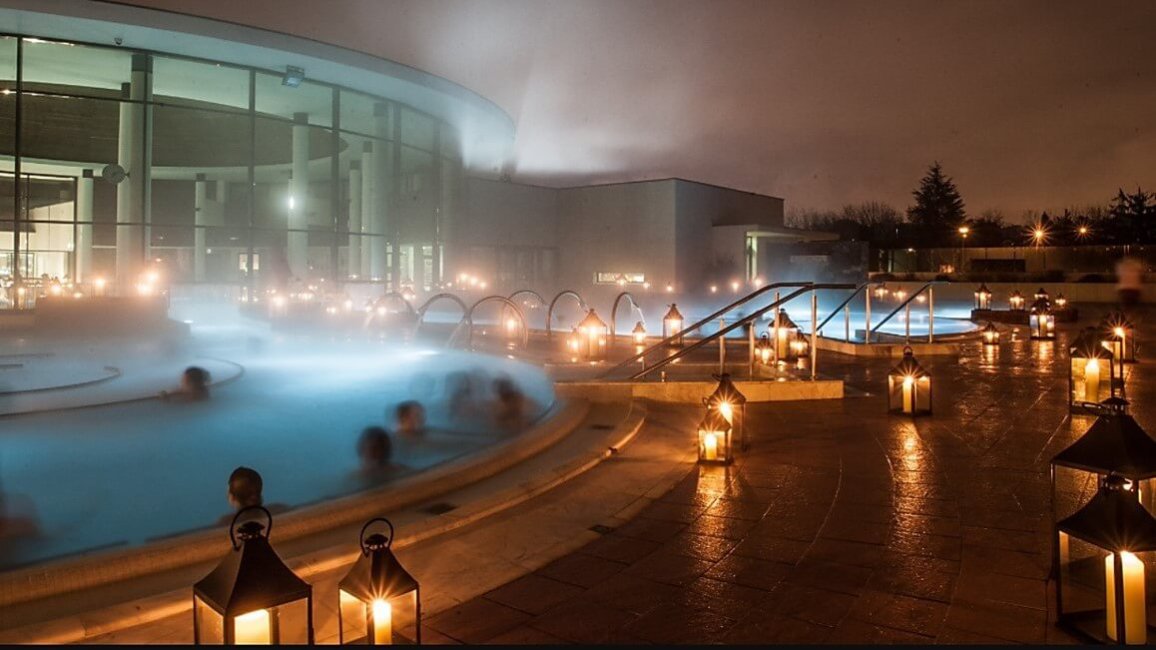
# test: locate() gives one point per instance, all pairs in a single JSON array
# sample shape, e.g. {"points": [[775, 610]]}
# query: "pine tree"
{"points": [[938, 209]]}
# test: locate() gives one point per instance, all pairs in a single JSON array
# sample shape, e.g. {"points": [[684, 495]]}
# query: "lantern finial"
{"points": [[376, 541], [250, 529]]}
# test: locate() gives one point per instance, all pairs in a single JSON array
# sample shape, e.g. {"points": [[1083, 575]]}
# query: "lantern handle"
{"points": [[233, 525], [361, 537]]}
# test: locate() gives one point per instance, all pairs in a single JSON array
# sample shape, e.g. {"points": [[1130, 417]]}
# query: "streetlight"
{"points": [[963, 233], [1040, 236]]}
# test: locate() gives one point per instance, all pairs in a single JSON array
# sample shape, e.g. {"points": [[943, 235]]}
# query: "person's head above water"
{"points": [[245, 487], [195, 381], [410, 416]]}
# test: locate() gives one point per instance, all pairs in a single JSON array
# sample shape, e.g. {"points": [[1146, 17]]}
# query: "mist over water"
{"points": [[125, 473]]}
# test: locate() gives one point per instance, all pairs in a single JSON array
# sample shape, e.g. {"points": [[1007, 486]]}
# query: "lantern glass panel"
{"points": [[354, 618], [909, 395], [254, 628], [1091, 379], [1088, 591], [382, 621], [210, 625], [714, 445]]}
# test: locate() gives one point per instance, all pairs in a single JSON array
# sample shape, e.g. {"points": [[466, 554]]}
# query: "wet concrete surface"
{"points": [[841, 523]]}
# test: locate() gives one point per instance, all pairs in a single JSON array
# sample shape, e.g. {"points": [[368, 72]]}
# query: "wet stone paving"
{"points": [[840, 524]]}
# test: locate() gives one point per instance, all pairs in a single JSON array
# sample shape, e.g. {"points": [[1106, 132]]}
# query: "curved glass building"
{"points": [[137, 141]]}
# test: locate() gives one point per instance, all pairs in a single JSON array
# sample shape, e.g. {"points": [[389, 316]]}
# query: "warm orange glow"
{"points": [[382, 623], [1135, 614], [252, 628]]}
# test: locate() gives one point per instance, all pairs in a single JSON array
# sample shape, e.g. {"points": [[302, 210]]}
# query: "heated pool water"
{"points": [[124, 474]]}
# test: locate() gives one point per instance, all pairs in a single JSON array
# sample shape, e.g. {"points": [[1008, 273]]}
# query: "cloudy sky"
{"points": [[1028, 105]]}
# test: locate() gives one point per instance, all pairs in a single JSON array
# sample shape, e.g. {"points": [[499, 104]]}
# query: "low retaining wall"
{"points": [[889, 349], [692, 392], [1075, 292]]}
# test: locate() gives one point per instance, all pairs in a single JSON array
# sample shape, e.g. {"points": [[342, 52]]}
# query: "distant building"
{"points": [[134, 140]]}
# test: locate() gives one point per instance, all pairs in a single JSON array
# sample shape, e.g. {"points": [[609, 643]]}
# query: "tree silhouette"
{"points": [[938, 209], [1133, 217]]}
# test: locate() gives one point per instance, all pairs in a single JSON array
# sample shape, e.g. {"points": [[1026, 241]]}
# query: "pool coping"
{"points": [[98, 568]]}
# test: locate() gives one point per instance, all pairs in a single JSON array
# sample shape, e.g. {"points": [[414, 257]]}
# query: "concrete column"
{"points": [[368, 208], [354, 264], [134, 155], [383, 194], [393, 201], [298, 254], [200, 220], [82, 247]]}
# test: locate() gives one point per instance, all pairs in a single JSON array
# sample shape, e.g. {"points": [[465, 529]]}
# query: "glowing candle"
{"points": [[710, 446], [382, 623], [252, 628], [1135, 616], [727, 411], [908, 394], [1092, 381]]}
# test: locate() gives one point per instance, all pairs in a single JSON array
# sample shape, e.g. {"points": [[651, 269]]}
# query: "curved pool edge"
{"points": [[99, 568]]}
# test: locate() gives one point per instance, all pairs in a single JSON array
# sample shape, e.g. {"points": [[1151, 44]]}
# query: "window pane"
{"points": [[178, 81], [276, 99], [75, 69], [417, 129]]}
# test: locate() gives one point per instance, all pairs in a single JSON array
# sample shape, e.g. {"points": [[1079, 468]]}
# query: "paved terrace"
{"points": [[842, 524]]}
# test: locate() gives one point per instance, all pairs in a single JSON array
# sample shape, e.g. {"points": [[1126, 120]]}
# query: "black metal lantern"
{"points": [[732, 404], [1103, 554], [785, 336], [591, 337], [990, 334], [1042, 322], [1120, 338], [1042, 294], [380, 602], [880, 291], [1061, 302], [252, 597], [672, 326], [1115, 445], [764, 350], [1016, 301], [1090, 371], [983, 297], [638, 334], [714, 439], [909, 387]]}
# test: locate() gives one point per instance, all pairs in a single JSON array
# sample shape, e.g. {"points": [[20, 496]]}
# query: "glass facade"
{"points": [[116, 163]]}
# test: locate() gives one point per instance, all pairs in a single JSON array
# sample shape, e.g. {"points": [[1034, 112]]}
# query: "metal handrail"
{"points": [[694, 326], [903, 304], [843, 304], [745, 320]]}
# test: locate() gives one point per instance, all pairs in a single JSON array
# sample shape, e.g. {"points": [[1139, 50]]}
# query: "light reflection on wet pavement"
{"points": [[842, 524]]}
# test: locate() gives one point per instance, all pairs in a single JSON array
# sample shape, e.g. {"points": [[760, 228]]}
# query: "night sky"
{"points": [[1028, 105]]}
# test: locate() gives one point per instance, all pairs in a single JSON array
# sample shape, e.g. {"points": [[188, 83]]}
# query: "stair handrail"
{"points": [[694, 326], [904, 304], [753, 316], [859, 289]]}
